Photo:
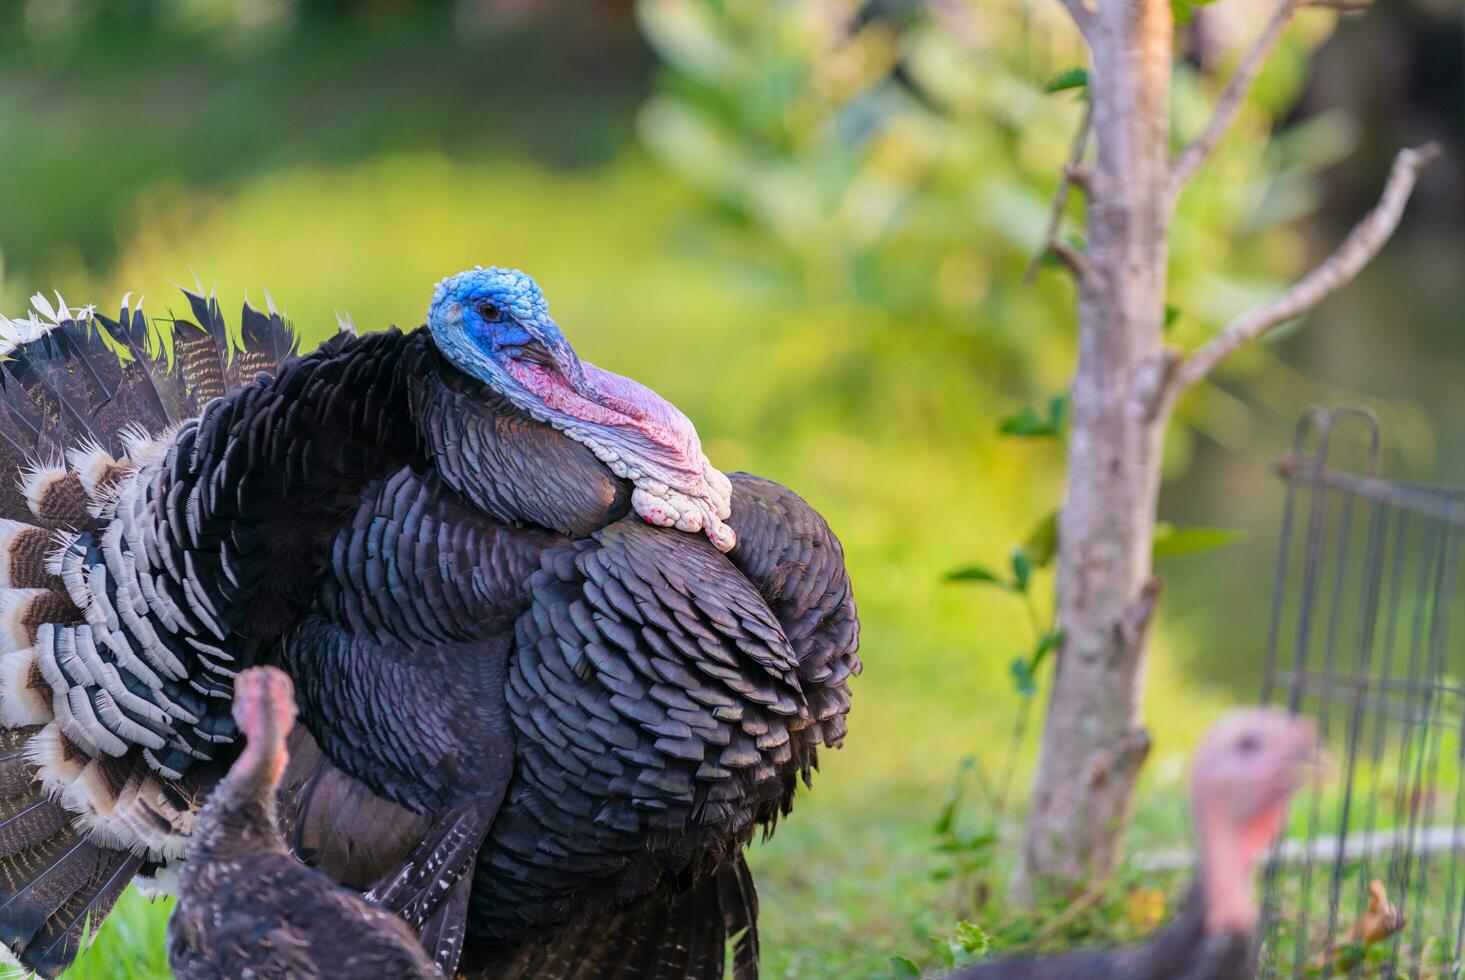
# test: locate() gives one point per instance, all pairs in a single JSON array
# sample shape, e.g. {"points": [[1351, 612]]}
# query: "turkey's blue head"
{"points": [[494, 325]]}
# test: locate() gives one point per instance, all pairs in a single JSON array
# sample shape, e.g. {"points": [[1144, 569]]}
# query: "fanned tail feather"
{"points": [[83, 396], [267, 342], [52, 880], [59, 939], [201, 352]]}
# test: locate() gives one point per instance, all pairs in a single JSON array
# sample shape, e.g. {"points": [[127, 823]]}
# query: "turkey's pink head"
{"points": [[494, 325], [264, 710], [1245, 772]]}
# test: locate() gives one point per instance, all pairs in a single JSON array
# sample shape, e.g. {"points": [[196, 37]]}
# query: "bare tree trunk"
{"points": [[1093, 742], [1123, 392]]}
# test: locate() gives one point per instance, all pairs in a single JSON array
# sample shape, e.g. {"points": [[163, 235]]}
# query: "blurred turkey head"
{"points": [[1244, 774]]}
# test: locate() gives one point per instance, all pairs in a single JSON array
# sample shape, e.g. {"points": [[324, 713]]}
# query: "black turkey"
{"points": [[246, 907], [1244, 773], [553, 668]]}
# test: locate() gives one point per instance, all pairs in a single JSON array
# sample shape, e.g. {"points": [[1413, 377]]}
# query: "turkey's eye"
{"points": [[490, 313], [1248, 744]]}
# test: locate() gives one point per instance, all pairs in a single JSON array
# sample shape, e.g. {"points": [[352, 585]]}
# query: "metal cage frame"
{"points": [[1361, 613]]}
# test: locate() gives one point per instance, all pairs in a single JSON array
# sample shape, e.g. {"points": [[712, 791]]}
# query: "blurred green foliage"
{"points": [[904, 155], [125, 102], [132, 944]]}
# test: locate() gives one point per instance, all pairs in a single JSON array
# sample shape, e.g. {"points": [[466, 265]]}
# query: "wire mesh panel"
{"points": [[1369, 879]]}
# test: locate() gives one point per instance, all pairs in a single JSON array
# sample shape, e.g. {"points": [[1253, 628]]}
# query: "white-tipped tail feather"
{"points": [[23, 549], [97, 471], [18, 617], [109, 656], [25, 697]]}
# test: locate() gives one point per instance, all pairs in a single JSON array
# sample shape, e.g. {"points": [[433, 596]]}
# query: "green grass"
{"points": [[130, 945], [885, 426]]}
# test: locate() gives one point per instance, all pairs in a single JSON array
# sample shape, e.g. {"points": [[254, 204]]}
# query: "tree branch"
{"points": [[1082, 15], [1073, 260], [1232, 97], [1073, 175], [1357, 250]]}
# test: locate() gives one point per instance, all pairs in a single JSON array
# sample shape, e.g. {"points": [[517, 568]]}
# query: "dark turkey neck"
{"points": [[255, 487], [241, 815], [512, 467], [237, 820]]}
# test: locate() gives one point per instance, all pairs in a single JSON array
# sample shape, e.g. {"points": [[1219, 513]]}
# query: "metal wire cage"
{"points": [[1368, 882]]}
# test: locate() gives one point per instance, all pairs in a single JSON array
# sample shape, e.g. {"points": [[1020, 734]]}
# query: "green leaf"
{"points": [[1177, 542], [1022, 569], [945, 953], [1172, 313], [1031, 423], [1025, 422], [982, 840], [967, 944], [946, 818], [1024, 670], [904, 966], [1072, 78], [1184, 10], [1049, 642], [976, 573], [1023, 677], [972, 938], [1042, 542], [1057, 408]]}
